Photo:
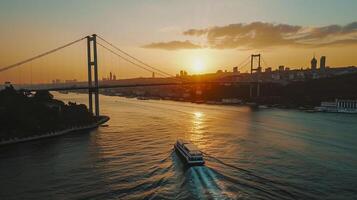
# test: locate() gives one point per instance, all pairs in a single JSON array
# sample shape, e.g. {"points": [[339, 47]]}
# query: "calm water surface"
{"points": [[265, 154]]}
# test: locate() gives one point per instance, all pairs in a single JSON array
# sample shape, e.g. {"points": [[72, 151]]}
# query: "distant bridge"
{"points": [[93, 83], [111, 86]]}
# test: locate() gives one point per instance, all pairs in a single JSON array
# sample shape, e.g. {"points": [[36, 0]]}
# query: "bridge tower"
{"points": [[93, 70], [258, 69]]}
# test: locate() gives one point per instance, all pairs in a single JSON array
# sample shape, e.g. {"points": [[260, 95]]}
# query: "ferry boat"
{"points": [[190, 152]]}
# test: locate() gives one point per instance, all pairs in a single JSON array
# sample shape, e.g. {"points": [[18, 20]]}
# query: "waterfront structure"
{"points": [[339, 105]]}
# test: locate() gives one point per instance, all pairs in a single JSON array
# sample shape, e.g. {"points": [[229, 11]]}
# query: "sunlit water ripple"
{"points": [[265, 154]]}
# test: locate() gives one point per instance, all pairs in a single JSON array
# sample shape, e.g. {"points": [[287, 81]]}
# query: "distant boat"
{"points": [[190, 152]]}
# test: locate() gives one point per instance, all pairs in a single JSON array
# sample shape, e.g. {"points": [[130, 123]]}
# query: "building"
{"points": [[111, 77], [56, 81], [183, 73], [313, 63], [323, 63], [7, 84], [235, 70], [347, 105], [339, 105], [281, 68]]}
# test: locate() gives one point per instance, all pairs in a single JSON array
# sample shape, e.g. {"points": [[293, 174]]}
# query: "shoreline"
{"points": [[55, 133], [254, 105], [220, 103]]}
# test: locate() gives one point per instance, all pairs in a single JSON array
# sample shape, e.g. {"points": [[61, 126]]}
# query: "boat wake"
{"points": [[199, 182], [250, 182], [206, 183]]}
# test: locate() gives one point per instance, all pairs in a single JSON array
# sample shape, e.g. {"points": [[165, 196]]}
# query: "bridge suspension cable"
{"points": [[264, 62], [134, 58], [122, 57], [40, 55], [243, 64], [163, 74]]}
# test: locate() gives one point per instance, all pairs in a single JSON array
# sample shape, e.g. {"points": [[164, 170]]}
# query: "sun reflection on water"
{"points": [[196, 133]]}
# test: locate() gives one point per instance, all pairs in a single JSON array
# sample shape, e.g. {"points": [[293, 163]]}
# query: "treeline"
{"points": [[23, 114]]}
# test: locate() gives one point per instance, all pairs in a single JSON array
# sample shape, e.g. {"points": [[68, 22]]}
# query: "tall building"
{"points": [[235, 70], [110, 76], [323, 63], [313, 63], [281, 68]]}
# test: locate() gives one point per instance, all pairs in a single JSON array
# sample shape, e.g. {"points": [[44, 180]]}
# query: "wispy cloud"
{"points": [[173, 45], [263, 35]]}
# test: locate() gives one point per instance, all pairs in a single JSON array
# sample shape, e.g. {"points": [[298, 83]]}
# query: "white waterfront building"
{"points": [[339, 105]]}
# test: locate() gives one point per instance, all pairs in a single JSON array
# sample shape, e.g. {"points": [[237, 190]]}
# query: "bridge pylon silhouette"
{"points": [[93, 87], [258, 71]]}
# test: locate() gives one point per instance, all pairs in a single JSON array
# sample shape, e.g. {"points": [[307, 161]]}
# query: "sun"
{"points": [[198, 65]]}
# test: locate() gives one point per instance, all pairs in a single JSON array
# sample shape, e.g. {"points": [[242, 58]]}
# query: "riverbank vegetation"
{"points": [[25, 114]]}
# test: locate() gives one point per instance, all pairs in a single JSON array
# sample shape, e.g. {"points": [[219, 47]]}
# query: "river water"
{"points": [[250, 154]]}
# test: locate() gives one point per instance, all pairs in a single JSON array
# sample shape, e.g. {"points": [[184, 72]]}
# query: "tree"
{"points": [[43, 95]]}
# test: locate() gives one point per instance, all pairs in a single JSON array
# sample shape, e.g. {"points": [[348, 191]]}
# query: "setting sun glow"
{"points": [[198, 66]]}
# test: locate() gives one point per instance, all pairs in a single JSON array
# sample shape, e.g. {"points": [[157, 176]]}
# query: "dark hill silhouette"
{"points": [[23, 114]]}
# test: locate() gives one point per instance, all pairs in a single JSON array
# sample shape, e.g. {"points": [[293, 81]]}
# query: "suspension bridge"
{"points": [[92, 84]]}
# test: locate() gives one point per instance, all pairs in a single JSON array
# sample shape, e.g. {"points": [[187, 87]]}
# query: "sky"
{"points": [[198, 36]]}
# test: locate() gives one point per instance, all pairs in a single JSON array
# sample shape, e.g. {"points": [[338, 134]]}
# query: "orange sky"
{"points": [[205, 37]]}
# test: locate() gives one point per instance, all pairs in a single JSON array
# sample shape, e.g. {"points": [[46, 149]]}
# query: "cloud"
{"points": [[173, 45], [264, 35], [261, 35]]}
